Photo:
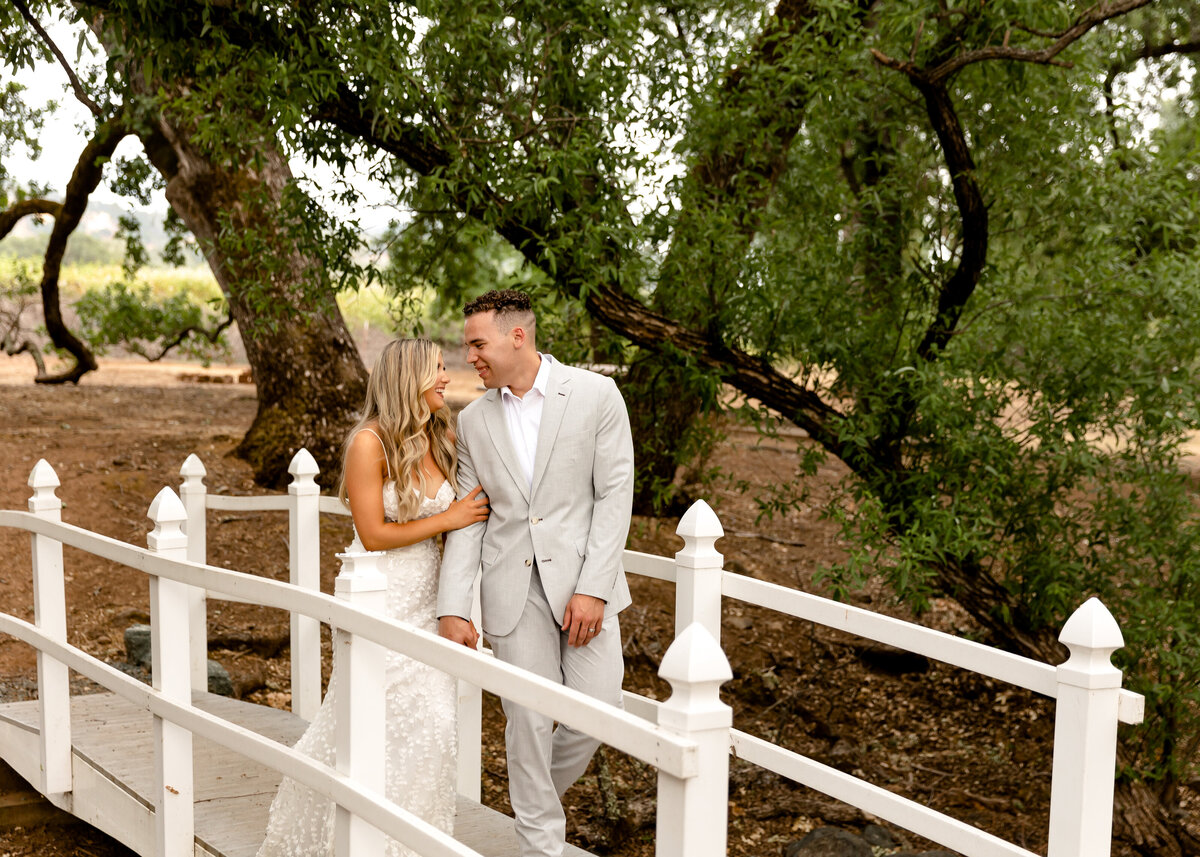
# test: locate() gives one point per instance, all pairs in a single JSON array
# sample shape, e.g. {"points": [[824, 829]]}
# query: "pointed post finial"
{"points": [[698, 570], [695, 667], [303, 466], [1091, 635], [700, 521], [168, 516], [43, 480], [193, 468]]}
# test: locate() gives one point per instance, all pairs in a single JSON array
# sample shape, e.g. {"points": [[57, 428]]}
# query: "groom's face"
{"points": [[493, 354]]}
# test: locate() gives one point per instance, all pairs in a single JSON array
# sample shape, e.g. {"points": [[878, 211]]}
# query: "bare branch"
{"points": [[80, 93], [1089, 19], [12, 348], [211, 334], [939, 73], [88, 172], [26, 208]]}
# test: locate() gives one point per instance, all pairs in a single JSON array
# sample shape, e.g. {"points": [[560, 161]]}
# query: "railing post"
{"points": [[698, 579], [193, 494], [50, 615], [1085, 735], [304, 566], [174, 821], [693, 812], [359, 707], [470, 727]]}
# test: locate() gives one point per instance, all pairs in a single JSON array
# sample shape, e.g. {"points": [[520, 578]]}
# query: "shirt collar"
{"points": [[540, 383]]}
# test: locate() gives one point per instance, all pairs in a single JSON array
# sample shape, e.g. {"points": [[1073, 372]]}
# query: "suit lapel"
{"points": [[558, 394], [496, 422]]}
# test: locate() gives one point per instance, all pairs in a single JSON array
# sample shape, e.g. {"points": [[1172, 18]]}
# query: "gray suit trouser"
{"points": [[543, 761]]}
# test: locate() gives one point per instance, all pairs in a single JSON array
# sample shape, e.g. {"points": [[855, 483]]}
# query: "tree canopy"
{"points": [[955, 245]]}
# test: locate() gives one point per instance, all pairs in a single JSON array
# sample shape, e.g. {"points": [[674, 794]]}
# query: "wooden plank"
{"points": [[113, 776]]}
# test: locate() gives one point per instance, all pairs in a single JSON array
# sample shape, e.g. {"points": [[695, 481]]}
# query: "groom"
{"points": [[551, 446]]}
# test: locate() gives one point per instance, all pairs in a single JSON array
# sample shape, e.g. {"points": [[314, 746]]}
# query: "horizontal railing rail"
{"points": [[702, 585], [688, 737], [626, 732], [936, 645], [880, 802], [392, 819], [1085, 727]]}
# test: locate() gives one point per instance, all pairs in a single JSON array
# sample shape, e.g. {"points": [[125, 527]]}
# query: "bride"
{"points": [[398, 479]]}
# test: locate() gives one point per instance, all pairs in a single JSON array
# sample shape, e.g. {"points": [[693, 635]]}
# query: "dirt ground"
{"points": [[965, 745]]}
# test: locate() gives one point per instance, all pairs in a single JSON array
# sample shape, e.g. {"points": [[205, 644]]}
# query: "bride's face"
{"points": [[435, 396]]}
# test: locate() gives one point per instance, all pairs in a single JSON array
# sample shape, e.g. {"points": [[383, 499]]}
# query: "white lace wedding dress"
{"points": [[421, 745]]}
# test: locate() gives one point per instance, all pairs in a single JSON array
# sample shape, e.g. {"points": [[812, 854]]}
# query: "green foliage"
{"points": [[780, 188], [131, 316]]}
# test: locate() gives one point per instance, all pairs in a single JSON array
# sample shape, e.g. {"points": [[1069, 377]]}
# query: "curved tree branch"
{"points": [[26, 208], [957, 290], [88, 172], [947, 68], [76, 86], [211, 334]]}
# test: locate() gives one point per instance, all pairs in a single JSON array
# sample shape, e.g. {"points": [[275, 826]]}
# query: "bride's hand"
{"points": [[469, 510]]}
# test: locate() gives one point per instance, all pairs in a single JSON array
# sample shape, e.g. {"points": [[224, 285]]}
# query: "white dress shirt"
{"points": [[525, 417]]}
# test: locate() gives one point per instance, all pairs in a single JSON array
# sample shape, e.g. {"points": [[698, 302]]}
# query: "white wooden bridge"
{"points": [[170, 769]]}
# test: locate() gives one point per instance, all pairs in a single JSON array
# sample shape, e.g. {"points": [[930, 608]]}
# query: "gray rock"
{"points": [[138, 672], [218, 680], [878, 837], [137, 645], [829, 842]]}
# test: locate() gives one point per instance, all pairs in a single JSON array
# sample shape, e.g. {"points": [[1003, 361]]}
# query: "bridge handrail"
{"points": [[920, 819], [936, 645], [392, 819], [650, 743], [1087, 689], [269, 503]]}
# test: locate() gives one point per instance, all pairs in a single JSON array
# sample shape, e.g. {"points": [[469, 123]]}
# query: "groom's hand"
{"points": [[582, 619], [458, 630]]}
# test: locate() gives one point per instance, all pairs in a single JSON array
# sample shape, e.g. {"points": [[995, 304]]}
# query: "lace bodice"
{"points": [[439, 502]]}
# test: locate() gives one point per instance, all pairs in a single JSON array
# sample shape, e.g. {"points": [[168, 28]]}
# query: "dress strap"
{"points": [[387, 463]]}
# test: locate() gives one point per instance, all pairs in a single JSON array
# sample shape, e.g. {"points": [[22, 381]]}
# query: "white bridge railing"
{"points": [[688, 737]]}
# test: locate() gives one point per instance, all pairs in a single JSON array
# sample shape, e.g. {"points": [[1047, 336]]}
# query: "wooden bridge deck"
{"points": [[113, 770]]}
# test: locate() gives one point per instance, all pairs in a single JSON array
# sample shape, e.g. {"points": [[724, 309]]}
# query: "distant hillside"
{"points": [[93, 241]]}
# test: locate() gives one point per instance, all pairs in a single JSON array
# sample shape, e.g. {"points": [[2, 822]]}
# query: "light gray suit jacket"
{"points": [[573, 521]]}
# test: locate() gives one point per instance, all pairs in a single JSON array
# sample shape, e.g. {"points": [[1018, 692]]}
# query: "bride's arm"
{"points": [[365, 471]]}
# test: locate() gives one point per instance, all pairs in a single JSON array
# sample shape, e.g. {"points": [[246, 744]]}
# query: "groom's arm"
{"points": [[612, 491], [460, 561]]}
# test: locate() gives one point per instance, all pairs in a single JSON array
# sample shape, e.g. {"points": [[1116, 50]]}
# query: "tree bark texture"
{"points": [[310, 378]]}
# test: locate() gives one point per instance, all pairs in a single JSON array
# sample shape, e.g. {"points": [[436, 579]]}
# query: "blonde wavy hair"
{"points": [[405, 371]]}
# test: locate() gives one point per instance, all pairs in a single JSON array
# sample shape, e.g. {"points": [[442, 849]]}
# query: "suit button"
{"points": [[535, 520], [528, 562]]}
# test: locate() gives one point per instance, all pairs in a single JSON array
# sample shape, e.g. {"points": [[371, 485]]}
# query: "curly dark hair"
{"points": [[511, 307], [500, 300]]}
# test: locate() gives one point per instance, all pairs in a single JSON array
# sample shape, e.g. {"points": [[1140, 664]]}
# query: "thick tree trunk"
{"points": [[662, 413], [1144, 820], [310, 378]]}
